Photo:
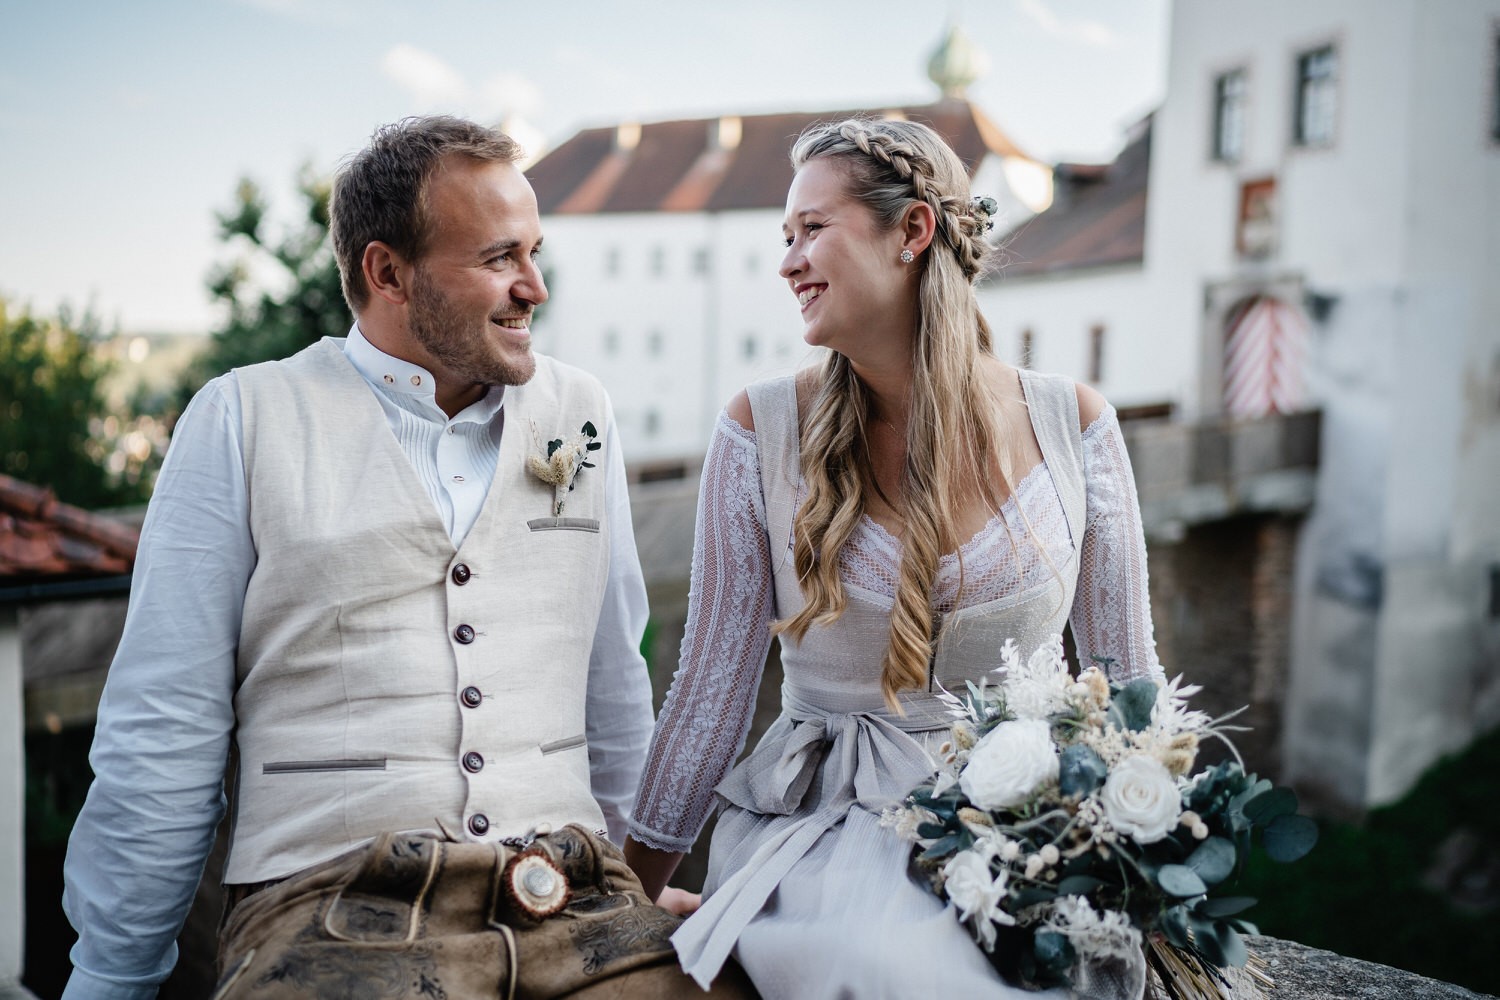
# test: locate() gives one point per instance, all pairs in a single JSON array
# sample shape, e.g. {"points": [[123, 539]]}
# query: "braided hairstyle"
{"points": [[952, 435]]}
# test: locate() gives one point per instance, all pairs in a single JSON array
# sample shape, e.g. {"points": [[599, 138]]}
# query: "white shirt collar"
{"points": [[391, 374]]}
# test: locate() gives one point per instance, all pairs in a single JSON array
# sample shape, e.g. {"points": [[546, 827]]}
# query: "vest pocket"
{"points": [[557, 746], [563, 524], [339, 764]]}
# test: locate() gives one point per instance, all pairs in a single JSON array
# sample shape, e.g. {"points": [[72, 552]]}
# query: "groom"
{"points": [[372, 574]]}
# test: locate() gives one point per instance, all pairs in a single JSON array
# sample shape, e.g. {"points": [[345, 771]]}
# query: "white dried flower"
{"points": [[1040, 688], [978, 893], [1141, 799], [1034, 865], [1200, 831], [1049, 854], [904, 820], [1094, 934], [1012, 761]]}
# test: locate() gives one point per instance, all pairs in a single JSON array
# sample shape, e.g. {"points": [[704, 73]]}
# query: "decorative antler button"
{"points": [[535, 885]]}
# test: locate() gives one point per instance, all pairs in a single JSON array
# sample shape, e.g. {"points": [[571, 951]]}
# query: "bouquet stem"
{"points": [[1180, 975]]}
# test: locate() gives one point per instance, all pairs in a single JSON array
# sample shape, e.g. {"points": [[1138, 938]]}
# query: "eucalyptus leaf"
{"points": [[1032, 896], [1219, 942], [931, 831], [1213, 860], [939, 849], [1288, 838], [1180, 880], [1174, 924], [1131, 708], [1078, 885], [1270, 804], [1054, 954], [1224, 906], [1080, 770]]}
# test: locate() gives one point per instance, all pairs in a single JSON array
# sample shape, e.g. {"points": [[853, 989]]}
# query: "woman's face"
{"points": [[856, 296]]}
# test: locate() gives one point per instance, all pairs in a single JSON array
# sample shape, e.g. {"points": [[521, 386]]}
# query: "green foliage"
{"points": [[304, 305], [52, 408], [1364, 891]]}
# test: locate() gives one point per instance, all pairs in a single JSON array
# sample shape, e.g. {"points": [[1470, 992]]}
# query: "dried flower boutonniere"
{"points": [[564, 460]]}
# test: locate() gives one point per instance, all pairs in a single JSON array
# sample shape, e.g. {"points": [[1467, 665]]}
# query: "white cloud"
{"points": [[1082, 30], [427, 77], [509, 94]]}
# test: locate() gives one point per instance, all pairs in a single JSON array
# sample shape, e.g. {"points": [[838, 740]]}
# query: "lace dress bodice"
{"points": [[708, 709]]}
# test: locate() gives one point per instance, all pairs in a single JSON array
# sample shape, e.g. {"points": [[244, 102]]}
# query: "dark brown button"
{"points": [[464, 634], [461, 574], [473, 761], [471, 696], [479, 824]]}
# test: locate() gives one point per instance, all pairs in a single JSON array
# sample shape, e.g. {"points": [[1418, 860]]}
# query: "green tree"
{"points": [[303, 304], [53, 421]]}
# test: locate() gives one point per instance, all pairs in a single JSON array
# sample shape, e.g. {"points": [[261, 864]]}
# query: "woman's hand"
{"points": [[653, 868], [679, 901]]}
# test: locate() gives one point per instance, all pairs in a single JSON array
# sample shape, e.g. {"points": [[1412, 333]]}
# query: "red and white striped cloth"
{"points": [[1264, 349]]}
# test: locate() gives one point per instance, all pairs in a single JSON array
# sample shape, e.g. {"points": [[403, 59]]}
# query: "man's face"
{"points": [[477, 283]]}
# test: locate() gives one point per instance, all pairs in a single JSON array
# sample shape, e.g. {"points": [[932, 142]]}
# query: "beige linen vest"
{"points": [[385, 681]]}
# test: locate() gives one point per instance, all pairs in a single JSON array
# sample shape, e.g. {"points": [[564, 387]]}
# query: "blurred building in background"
{"points": [[1312, 220], [664, 241]]}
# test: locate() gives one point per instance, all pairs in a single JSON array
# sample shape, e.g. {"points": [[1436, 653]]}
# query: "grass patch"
{"points": [[1361, 893]]}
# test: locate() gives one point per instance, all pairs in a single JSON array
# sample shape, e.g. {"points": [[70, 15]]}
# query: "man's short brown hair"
{"points": [[381, 193]]}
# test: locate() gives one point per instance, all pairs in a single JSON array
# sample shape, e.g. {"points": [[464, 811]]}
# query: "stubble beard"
{"points": [[448, 334]]}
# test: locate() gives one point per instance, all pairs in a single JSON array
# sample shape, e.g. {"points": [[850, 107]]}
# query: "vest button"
{"points": [[473, 762], [479, 824], [464, 634], [471, 696], [461, 574]]}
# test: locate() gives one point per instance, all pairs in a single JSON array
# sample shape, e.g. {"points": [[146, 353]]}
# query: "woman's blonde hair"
{"points": [[953, 428]]}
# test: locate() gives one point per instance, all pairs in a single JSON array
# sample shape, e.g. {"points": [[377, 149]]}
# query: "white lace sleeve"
{"points": [[707, 713], [1112, 609]]}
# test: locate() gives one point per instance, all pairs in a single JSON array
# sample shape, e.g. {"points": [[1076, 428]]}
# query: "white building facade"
{"points": [[1337, 164], [663, 243]]}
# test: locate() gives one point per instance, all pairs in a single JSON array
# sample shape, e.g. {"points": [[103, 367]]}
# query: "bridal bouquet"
{"points": [[1067, 825]]}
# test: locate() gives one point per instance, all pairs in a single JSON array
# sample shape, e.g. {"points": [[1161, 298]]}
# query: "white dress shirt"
{"points": [[138, 848]]}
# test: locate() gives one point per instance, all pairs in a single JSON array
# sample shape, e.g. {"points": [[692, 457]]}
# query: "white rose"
{"points": [[1141, 799], [1012, 761]]}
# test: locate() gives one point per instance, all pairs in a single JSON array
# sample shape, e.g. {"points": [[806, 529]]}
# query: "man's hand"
{"points": [[679, 901]]}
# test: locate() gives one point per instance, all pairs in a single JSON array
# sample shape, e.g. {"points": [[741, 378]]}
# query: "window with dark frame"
{"points": [[1317, 96], [1229, 116], [1495, 88], [1096, 353]]}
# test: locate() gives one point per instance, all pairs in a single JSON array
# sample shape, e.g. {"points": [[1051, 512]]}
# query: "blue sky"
{"points": [[123, 126]]}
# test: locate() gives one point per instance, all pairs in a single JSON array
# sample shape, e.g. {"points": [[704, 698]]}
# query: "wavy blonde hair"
{"points": [[953, 430]]}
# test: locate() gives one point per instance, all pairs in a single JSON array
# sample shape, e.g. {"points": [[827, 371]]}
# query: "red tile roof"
{"points": [[675, 167], [1098, 216], [42, 540]]}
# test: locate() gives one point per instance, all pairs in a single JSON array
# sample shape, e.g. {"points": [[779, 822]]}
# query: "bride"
{"points": [[893, 515]]}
